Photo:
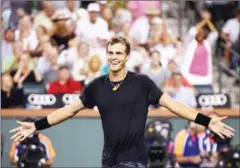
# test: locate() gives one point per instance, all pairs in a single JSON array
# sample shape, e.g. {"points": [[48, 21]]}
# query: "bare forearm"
{"points": [[37, 75], [64, 113], [211, 26], [178, 108], [182, 159], [183, 111], [200, 25], [17, 76]]}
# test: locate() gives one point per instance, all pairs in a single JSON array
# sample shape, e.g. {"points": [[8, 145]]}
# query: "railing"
{"points": [[89, 113]]}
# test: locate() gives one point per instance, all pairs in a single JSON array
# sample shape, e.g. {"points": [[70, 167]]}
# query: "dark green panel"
{"points": [[78, 142]]}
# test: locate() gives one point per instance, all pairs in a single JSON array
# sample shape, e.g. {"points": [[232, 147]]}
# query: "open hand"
{"points": [[218, 127], [25, 130]]}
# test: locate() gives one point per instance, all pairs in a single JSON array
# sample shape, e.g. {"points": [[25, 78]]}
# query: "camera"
{"points": [[157, 140], [229, 158], [30, 153]]}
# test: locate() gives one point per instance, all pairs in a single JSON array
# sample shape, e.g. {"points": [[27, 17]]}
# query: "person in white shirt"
{"points": [[140, 29], [76, 58], [230, 34], [197, 62], [75, 12], [26, 34], [88, 30]]}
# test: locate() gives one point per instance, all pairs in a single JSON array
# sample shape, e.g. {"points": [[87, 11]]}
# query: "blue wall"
{"points": [[78, 141]]}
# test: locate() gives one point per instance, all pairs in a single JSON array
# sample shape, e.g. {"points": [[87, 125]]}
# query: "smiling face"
{"points": [[117, 57]]}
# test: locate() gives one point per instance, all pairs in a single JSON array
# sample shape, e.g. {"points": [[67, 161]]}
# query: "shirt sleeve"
{"points": [[153, 92], [87, 96], [227, 27], [179, 143]]}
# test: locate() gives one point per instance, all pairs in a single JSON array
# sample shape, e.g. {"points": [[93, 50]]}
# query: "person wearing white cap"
{"points": [[90, 29]]}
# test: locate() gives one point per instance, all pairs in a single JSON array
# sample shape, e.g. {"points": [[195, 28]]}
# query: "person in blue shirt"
{"points": [[186, 147]]}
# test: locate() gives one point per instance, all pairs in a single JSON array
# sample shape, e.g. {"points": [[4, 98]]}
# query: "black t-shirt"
{"points": [[123, 113]]}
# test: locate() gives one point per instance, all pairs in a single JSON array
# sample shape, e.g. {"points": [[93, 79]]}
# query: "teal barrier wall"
{"points": [[78, 141]]}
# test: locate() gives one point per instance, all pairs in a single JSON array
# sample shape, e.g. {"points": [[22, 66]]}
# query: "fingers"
{"points": [[227, 133], [220, 135], [15, 129], [16, 135], [228, 128], [16, 139]]}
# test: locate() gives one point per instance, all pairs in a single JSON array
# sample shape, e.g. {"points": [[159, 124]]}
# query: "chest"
{"points": [[128, 94], [192, 146]]}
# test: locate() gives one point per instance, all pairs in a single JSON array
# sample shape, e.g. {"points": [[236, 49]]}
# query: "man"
{"points": [[122, 99], [64, 83], [90, 30], [230, 34], [178, 91], [187, 148]]}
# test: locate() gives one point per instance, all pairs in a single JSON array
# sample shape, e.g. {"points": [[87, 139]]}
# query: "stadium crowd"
{"points": [[60, 49], [54, 49]]}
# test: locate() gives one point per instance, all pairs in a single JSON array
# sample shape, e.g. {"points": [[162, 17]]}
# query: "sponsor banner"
{"points": [[38, 101], [213, 100]]}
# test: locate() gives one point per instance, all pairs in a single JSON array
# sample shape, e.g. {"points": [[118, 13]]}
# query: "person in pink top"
{"points": [[197, 63], [138, 7]]}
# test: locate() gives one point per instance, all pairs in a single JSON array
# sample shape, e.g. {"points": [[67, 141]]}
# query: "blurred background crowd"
{"points": [[58, 47]]}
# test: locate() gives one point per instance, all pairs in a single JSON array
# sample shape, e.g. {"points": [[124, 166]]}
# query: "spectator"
{"points": [[63, 30], [208, 147], [89, 30], [10, 63], [42, 39], [107, 15], [26, 74], [65, 84], [47, 64], [76, 58], [197, 63], [11, 96], [26, 34], [138, 8], [178, 92], [186, 147], [43, 18], [75, 12], [94, 65], [18, 9], [173, 68], [140, 29], [7, 43], [156, 71], [17, 150], [230, 34]]}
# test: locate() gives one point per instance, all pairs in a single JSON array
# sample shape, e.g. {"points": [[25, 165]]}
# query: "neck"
{"points": [[62, 81], [155, 67], [117, 76]]}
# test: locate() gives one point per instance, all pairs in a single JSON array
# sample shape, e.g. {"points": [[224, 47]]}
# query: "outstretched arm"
{"points": [[54, 118], [214, 124]]}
